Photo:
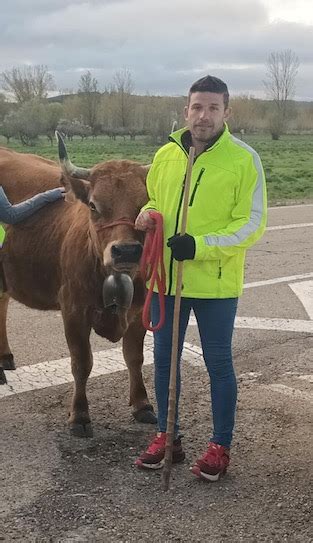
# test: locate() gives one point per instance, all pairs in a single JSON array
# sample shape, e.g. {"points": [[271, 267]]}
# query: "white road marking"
{"points": [[258, 323], [266, 282], [283, 325], [289, 226], [308, 378], [294, 393], [250, 376], [304, 291], [276, 280], [296, 375], [288, 207], [58, 372]]}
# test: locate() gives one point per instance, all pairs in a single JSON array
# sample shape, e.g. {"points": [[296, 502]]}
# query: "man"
{"points": [[226, 215]]}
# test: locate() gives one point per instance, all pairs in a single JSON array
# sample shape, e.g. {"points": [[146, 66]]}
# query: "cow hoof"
{"points": [[146, 415], [7, 362], [3, 379], [81, 430]]}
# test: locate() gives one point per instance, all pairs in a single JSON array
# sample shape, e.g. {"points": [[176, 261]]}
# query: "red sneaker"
{"points": [[153, 457], [212, 464]]}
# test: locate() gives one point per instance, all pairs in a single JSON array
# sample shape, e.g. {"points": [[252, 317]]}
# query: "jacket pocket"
{"points": [[213, 268], [193, 194]]}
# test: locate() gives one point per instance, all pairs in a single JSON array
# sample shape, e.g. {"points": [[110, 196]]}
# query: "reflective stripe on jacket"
{"points": [[226, 212]]}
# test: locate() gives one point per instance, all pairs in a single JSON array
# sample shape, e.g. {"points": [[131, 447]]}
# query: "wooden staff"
{"points": [[173, 375]]}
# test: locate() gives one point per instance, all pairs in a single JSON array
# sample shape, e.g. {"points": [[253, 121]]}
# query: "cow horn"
{"points": [[67, 166]]}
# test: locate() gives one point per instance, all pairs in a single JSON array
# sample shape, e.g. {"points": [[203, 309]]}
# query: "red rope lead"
{"points": [[152, 267]]}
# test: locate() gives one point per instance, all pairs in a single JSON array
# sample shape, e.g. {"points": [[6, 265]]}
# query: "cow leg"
{"points": [[77, 334], [6, 357], [133, 355]]}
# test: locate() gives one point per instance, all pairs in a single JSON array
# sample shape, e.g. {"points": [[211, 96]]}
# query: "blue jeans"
{"points": [[215, 319]]}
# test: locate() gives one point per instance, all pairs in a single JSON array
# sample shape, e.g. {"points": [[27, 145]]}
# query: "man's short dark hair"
{"points": [[209, 83]]}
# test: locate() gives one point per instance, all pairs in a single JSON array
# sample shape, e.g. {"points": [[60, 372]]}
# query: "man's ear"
{"points": [[80, 188], [227, 113], [186, 113]]}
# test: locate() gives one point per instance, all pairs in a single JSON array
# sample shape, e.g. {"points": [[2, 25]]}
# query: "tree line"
{"points": [[26, 111]]}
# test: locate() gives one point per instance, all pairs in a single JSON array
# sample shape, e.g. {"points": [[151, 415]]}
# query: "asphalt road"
{"points": [[54, 487]]}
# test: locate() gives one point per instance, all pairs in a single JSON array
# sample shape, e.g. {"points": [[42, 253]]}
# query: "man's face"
{"points": [[205, 115]]}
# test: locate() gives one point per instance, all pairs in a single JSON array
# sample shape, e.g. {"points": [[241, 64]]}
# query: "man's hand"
{"points": [[144, 221], [182, 247]]}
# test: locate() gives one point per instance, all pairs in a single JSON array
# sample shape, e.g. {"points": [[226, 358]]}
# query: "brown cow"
{"points": [[81, 256]]}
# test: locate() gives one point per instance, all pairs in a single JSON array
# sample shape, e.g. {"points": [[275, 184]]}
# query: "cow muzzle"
{"points": [[125, 255], [117, 292]]}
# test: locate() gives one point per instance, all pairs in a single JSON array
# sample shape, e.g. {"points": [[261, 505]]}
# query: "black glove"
{"points": [[182, 247]]}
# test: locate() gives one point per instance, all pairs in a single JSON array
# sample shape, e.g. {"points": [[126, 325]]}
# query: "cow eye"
{"points": [[92, 206]]}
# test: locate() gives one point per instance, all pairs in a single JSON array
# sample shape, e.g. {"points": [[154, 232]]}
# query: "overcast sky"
{"points": [[166, 44]]}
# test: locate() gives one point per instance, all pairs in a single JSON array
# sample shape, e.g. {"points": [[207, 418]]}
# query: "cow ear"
{"points": [[80, 188]]}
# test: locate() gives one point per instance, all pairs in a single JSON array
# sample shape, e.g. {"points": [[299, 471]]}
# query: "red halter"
{"points": [[115, 223]]}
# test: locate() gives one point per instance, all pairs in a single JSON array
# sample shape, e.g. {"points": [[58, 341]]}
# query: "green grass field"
{"points": [[288, 162]]}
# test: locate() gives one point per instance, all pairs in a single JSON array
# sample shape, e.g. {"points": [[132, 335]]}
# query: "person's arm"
{"points": [[246, 227], [12, 214], [248, 218]]}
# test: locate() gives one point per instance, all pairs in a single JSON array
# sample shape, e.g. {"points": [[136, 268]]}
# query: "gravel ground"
{"points": [[61, 488]]}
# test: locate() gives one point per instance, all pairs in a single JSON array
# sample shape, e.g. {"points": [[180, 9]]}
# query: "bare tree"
{"points": [[53, 114], [245, 113], [4, 106], [9, 128], [90, 97], [124, 87], [282, 68], [26, 123], [73, 128], [72, 107], [28, 82], [32, 119]]}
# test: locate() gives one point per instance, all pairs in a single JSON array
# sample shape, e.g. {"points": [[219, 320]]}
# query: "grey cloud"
{"points": [[166, 44], [134, 19]]}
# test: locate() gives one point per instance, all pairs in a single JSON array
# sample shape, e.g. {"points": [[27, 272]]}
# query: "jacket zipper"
{"points": [[175, 232], [177, 214], [196, 186], [219, 269]]}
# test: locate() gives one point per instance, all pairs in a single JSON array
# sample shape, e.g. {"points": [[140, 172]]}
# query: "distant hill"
{"points": [[61, 97]]}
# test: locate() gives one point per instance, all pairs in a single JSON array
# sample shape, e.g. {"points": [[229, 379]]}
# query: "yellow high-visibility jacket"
{"points": [[226, 214]]}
